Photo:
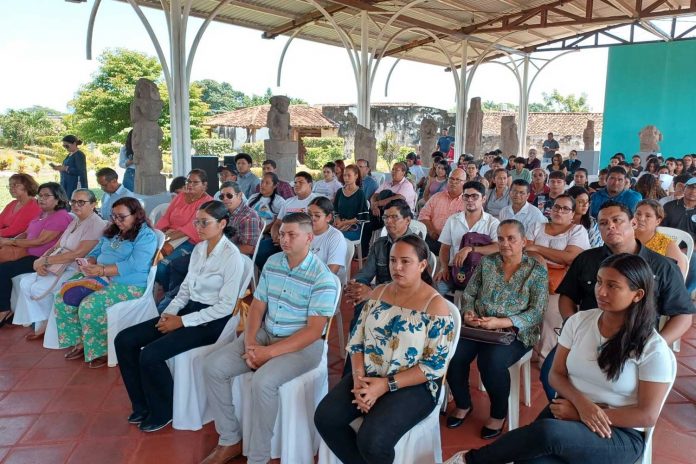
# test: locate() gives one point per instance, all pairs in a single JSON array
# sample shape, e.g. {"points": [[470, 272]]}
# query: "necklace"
{"points": [[116, 244]]}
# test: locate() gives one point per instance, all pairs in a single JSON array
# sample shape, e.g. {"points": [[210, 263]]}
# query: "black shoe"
{"points": [[137, 417], [453, 422], [153, 427], [488, 434]]}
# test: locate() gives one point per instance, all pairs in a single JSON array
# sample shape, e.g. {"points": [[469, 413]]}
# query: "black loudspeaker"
{"points": [[209, 164]]}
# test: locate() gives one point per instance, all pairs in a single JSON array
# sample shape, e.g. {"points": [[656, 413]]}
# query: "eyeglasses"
{"points": [[79, 203], [561, 209], [46, 196], [229, 196], [471, 196], [391, 217], [193, 182], [120, 218], [202, 223]]}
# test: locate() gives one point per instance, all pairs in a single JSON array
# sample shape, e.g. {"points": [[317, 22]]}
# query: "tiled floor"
{"points": [[58, 411]]}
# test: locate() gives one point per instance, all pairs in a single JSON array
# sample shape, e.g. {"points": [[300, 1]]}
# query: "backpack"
{"points": [[461, 275]]}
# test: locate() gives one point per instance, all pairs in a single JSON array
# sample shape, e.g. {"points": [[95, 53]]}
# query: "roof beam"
{"points": [[300, 21]]}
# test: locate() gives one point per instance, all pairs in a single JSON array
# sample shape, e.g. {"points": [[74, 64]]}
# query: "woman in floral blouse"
{"points": [[513, 294], [398, 350]]}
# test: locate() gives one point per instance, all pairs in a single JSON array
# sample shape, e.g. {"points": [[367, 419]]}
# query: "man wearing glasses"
{"points": [[441, 206], [472, 220], [107, 179]]}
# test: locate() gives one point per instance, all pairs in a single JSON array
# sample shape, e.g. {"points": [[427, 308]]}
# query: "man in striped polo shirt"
{"points": [[282, 340]]}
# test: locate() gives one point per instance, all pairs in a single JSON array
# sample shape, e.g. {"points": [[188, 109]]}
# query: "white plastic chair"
{"points": [[190, 400], [157, 212], [357, 243], [338, 317], [128, 313], [255, 271], [524, 364], [678, 236], [295, 439], [422, 444], [646, 458]]}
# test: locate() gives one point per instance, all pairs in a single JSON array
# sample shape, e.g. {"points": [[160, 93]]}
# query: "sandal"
{"points": [[33, 336], [75, 353], [96, 363]]}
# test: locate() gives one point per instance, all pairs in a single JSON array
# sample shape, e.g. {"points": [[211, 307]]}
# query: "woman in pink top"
{"points": [[177, 223], [42, 233], [15, 218]]}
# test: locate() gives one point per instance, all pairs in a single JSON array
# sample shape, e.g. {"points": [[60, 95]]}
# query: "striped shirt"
{"points": [[292, 295]]}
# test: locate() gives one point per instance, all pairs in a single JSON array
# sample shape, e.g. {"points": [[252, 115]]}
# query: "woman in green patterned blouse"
{"points": [[513, 294]]}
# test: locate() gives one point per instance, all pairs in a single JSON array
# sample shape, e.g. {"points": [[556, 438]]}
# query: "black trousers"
{"points": [[552, 441], [142, 352], [493, 362], [390, 418], [8, 270]]}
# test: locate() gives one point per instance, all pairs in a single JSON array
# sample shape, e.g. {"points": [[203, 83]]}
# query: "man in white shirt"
{"points": [[296, 204], [519, 208], [472, 219], [107, 179]]}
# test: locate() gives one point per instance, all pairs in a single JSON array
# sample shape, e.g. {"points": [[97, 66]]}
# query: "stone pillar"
{"points": [[474, 128], [509, 142], [366, 145], [279, 147], [588, 136], [428, 140], [145, 111]]}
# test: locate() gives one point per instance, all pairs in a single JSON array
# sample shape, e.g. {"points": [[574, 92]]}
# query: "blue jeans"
{"points": [[691, 275], [163, 268], [266, 249], [552, 441], [544, 374], [129, 179]]}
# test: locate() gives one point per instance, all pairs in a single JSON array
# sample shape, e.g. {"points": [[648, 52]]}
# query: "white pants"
{"points": [[29, 310]]}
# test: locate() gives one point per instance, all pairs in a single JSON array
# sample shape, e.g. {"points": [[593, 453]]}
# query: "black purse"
{"points": [[495, 336]]}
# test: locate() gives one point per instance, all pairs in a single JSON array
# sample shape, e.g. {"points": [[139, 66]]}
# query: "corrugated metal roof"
{"points": [[301, 116], [543, 123]]}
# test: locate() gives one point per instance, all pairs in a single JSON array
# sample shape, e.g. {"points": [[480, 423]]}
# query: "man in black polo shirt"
{"points": [[681, 214], [577, 290]]}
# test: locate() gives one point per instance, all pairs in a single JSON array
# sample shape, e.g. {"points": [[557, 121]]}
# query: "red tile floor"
{"points": [[58, 411]]}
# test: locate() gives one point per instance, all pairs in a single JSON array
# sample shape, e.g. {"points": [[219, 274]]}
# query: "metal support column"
{"points": [[462, 103], [524, 108], [364, 85]]}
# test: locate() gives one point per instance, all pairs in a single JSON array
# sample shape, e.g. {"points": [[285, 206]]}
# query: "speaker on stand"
{"points": [[209, 164]]}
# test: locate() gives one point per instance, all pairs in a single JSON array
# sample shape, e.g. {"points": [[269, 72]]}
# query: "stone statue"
{"points": [[145, 111], [278, 118], [428, 140], [588, 136], [649, 137], [366, 145], [509, 142], [279, 146], [474, 129]]}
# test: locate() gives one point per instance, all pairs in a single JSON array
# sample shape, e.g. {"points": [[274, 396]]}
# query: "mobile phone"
{"points": [[81, 261]]}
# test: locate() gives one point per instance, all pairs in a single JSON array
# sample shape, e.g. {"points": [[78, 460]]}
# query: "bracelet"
{"points": [[46, 261], [103, 271]]}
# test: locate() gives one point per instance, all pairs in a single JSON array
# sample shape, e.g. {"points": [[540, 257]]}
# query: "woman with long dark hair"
{"points": [[117, 270], [73, 170], [398, 351], [268, 201], [612, 372], [582, 215], [649, 187], [196, 317]]}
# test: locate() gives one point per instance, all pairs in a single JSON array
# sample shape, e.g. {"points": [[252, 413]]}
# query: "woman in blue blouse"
{"points": [[73, 171], [121, 261], [398, 351], [514, 294]]}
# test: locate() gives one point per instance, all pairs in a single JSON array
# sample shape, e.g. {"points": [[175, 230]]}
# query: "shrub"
{"points": [[321, 150], [109, 150], [256, 150], [48, 140], [214, 147]]}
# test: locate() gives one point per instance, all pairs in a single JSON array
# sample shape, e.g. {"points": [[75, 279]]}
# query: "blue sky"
{"points": [[42, 47]]}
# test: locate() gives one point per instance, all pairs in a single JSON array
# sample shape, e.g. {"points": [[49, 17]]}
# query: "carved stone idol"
{"points": [[474, 128], [145, 111], [366, 145], [278, 119], [509, 142], [649, 138], [428, 140], [588, 136]]}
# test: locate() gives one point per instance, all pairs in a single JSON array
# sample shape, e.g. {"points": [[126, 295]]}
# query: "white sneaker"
{"points": [[458, 458]]}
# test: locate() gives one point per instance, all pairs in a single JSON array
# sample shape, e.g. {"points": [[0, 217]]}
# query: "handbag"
{"points": [[462, 274], [56, 269], [74, 291], [495, 336], [171, 245]]}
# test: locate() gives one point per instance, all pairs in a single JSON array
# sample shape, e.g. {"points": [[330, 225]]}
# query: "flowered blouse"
{"points": [[393, 339], [522, 299]]}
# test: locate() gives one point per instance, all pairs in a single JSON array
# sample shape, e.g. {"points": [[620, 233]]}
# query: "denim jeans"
{"points": [[392, 416], [544, 375], [266, 249], [493, 362], [163, 268], [548, 440], [129, 179]]}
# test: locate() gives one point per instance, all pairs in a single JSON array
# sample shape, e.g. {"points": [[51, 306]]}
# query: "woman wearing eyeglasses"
{"points": [[73, 170], [177, 223], [42, 233], [196, 317], [558, 242], [119, 264], [37, 291]]}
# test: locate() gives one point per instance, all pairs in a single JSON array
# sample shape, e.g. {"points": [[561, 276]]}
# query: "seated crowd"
{"points": [[575, 274]]}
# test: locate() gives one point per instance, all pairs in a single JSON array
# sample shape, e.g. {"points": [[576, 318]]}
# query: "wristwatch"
{"points": [[393, 385]]}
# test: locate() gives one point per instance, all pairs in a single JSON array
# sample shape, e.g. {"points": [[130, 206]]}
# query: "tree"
{"points": [[557, 103], [220, 96], [22, 127], [102, 106]]}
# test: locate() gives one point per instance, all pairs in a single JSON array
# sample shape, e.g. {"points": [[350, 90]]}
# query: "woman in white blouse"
{"points": [[196, 317], [612, 372], [328, 243], [558, 242]]}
